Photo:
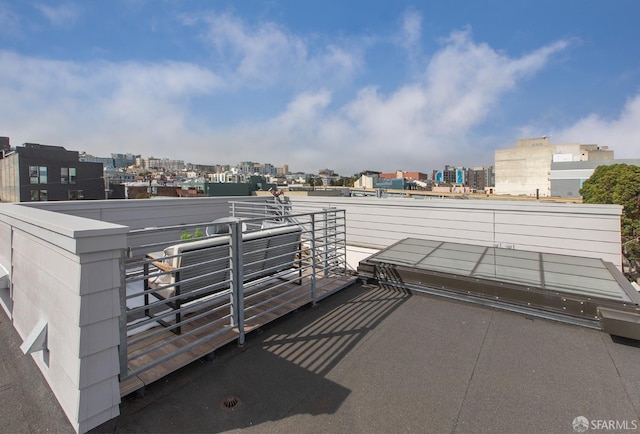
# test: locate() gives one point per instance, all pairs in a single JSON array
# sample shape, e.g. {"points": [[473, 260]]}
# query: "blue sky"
{"points": [[346, 85]]}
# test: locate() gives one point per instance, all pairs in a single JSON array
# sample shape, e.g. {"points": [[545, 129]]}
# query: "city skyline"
{"points": [[350, 86], [185, 165]]}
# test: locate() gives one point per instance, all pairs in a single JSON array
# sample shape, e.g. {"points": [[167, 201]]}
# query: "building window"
{"points": [[67, 175], [43, 176], [37, 174], [33, 175], [76, 194], [38, 195]]}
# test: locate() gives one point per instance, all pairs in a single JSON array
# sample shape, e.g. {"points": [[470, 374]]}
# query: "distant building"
{"points": [[247, 167], [366, 181], [392, 184], [253, 183], [114, 181], [124, 160], [480, 178], [202, 168], [107, 162], [567, 176], [409, 176], [454, 175], [526, 169], [231, 176], [450, 175], [284, 170], [153, 163], [35, 172], [5, 145], [268, 169], [219, 168], [327, 176]]}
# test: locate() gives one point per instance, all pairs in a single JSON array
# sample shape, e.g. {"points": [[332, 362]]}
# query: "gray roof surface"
{"points": [[27, 404], [370, 359]]}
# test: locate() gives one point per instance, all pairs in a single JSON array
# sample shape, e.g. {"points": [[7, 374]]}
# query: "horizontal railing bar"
{"points": [[187, 295], [213, 302], [318, 254]]}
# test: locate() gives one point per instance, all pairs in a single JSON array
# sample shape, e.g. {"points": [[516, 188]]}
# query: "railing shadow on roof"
{"points": [[284, 370], [183, 298]]}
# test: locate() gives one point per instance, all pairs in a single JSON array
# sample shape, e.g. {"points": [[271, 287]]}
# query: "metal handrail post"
{"points": [[344, 240], [325, 240], [313, 258], [122, 321], [237, 293]]}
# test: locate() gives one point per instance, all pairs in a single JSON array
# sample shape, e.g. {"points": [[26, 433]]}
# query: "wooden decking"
{"points": [[263, 303]]}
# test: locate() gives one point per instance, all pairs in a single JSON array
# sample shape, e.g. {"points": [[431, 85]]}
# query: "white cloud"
{"points": [[621, 134], [426, 123], [303, 111], [413, 27], [267, 54], [60, 15], [465, 79], [418, 126], [411, 32], [150, 108], [99, 106]]}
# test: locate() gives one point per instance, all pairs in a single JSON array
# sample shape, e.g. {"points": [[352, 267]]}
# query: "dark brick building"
{"points": [[34, 172], [5, 145]]}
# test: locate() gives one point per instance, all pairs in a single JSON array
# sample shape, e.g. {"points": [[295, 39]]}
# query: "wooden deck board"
{"points": [[256, 315]]}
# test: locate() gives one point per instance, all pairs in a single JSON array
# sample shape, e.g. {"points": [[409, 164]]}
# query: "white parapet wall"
{"points": [[64, 271], [564, 228], [150, 213], [375, 223], [145, 213]]}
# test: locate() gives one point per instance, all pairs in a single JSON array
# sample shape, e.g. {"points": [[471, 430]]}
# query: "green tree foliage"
{"points": [[314, 182], [618, 184], [345, 181], [189, 236]]}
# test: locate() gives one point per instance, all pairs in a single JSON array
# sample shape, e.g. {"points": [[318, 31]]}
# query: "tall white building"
{"points": [[526, 169]]}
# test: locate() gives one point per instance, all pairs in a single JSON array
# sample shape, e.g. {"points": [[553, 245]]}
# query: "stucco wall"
{"points": [[522, 171]]}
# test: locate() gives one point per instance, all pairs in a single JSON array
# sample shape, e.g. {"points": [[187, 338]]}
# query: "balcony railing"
{"points": [[183, 298]]}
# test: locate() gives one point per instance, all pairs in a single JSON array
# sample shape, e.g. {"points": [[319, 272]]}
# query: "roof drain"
{"points": [[230, 402]]}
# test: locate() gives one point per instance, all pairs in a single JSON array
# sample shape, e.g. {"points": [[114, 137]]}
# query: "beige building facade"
{"points": [[526, 169]]}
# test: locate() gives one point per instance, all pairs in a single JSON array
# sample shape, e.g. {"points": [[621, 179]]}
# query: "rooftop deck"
{"points": [[365, 359], [265, 303], [190, 298], [369, 359]]}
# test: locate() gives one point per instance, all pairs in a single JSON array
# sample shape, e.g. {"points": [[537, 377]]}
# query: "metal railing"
{"points": [[326, 229], [190, 296]]}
